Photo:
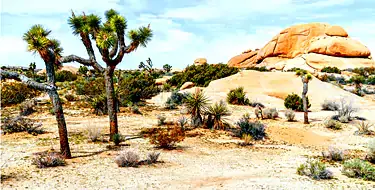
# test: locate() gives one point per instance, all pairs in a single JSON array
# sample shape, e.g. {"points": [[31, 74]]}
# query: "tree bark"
{"points": [[304, 100], [61, 124], [111, 101]]}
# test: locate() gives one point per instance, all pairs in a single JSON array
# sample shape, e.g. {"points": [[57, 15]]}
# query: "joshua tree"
{"points": [[110, 41], [167, 68], [147, 67], [32, 67], [50, 51], [306, 78]]}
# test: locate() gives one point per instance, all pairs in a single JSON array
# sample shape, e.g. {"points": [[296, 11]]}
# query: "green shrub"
{"points": [[90, 87], [357, 168], [260, 69], [99, 104], [215, 115], [64, 75], [202, 75], [15, 93], [237, 96], [315, 170], [167, 68], [370, 80], [331, 70], [363, 128], [116, 139], [70, 97], [256, 129], [176, 99], [196, 104], [333, 124], [294, 102], [364, 71]]}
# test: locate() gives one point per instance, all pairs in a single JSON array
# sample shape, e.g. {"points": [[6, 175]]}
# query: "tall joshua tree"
{"points": [[306, 78], [109, 37], [50, 51]]}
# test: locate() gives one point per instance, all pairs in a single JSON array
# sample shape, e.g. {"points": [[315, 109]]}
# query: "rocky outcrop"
{"points": [[320, 42], [200, 61], [161, 81], [187, 85]]}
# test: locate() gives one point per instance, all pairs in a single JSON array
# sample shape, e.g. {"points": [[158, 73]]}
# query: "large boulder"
{"points": [[200, 61], [305, 39], [187, 85]]}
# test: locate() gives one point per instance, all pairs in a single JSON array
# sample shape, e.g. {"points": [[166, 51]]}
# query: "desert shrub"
{"points": [[135, 110], [270, 113], [290, 115], [175, 99], [294, 69], [344, 111], [371, 151], [215, 115], [331, 70], [117, 139], [167, 87], [182, 122], [27, 107], [330, 105], [15, 93], [166, 137], [237, 96], [161, 120], [93, 134], [333, 124], [364, 71], [90, 86], [196, 104], [334, 154], [21, 124], [314, 169], [357, 79], [357, 168], [370, 80], [253, 103], [247, 139], [260, 69], [256, 129], [40, 78], [152, 157], [48, 159], [363, 128], [127, 159], [294, 102], [70, 97], [99, 104], [136, 87], [64, 75], [202, 75]]}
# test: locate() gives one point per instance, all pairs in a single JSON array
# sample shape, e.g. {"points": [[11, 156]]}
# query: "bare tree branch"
{"points": [[86, 62], [29, 82]]}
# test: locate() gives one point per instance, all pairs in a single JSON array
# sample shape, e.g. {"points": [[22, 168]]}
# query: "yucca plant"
{"points": [[216, 114], [196, 104], [237, 96], [110, 41]]}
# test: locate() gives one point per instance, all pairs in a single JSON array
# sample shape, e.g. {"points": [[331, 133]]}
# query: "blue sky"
{"points": [[183, 29]]}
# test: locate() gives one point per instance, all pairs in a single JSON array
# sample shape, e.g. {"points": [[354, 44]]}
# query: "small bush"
{"points": [[330, 105], [127, 159], [370, 80], [176, 99], [344, 111], [46, 159], [371, 151], [357, 168], [161, 120], [331, 70], [315, 170], [166, 137], [182, 122], [333, 124], [70, 97], [237, 96], [117, 139], [364, 71], [334, 154], [294, 102], [27, 107], [290, 115], [135, 110], [256, 129], [260, 69], [94, 134], [270, 113], [64, 75], [21, 124], [363, 128], [99, 103], [247, 139], [215, 115], [152, 157], [15, 93]]}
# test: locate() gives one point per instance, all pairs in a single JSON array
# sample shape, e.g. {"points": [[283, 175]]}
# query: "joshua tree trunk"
{"points": [[111, 101], [54, 96], [304, 101]]}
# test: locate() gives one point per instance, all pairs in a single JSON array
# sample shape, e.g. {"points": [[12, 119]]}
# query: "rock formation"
{"points": [[200, 61], [313, 45]]}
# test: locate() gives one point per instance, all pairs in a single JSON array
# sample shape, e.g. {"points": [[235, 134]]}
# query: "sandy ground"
{"points": [[211, 160]]}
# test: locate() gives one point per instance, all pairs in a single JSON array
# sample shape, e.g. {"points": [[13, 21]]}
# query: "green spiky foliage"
{"points": [[197, 105], [216, 115], [109, 36]]}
